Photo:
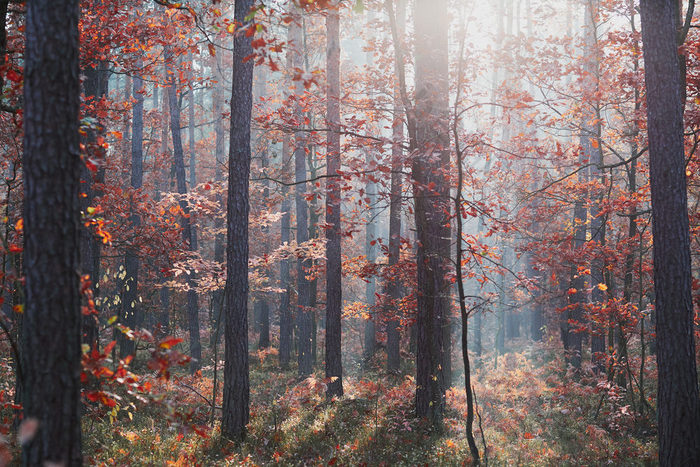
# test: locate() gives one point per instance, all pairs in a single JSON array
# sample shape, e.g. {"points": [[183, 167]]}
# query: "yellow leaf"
{"points": [[603, 287]]}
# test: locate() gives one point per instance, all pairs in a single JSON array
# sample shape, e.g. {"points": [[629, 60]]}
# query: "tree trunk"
{"points": [[303, 316], [236, 411], [431, 191], [131, 310], [189, 239], [163, 324], [393, 335], [334, 367], [678, 402], [51, 340], [285, 283], [95, 88], [591, 146]]}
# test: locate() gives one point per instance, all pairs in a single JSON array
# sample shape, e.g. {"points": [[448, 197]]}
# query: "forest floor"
{"points": [[532, 413]]}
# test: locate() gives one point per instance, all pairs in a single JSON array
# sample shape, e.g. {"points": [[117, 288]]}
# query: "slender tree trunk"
{"points": [[236, 411], [573, 318], [459, 257], [590, 144], [131, 309], [51, 340], [264, 338], [678, 402], [632, 233], [189, 239], [393, 335], [285, 283], [303, 315], [334, 367], [95, 88], [314, 218], [163, 325]]}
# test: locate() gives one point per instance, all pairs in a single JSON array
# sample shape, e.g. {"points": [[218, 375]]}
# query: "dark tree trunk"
{"points": [[236, 411], [190, 127], [264, 337], [95, 88], [285, 284], [432, 207], [678, 402], [51, 340], [573, 317], [334, 367], [188, 237], [131, 310]]}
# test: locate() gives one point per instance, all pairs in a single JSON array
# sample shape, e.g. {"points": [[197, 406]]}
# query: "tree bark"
{"points": [[236, 411], [51, 341], [334, 366], [431, 192], [95, 88], [678, 402], [285, 283]]}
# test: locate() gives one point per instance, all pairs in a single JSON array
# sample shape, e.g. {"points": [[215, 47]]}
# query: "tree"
{"points": [[431, 194], [187, 233], [51, 333], [236, 411], [678, 402], [334, 365], [303, 315], [393, 335], [130, 307]]}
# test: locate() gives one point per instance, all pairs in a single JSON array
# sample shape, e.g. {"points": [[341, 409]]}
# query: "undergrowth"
{"points": [[532, 413]]}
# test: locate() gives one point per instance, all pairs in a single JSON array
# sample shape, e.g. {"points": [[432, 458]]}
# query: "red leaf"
{"points": [[109, 347], [12, 75], [169, 343]]}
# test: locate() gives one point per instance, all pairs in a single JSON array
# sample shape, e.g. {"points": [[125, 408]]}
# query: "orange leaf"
{"points": [[169, 343]]}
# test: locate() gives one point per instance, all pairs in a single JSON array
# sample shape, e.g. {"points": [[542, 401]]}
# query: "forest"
{"points": [[349, 232]]}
